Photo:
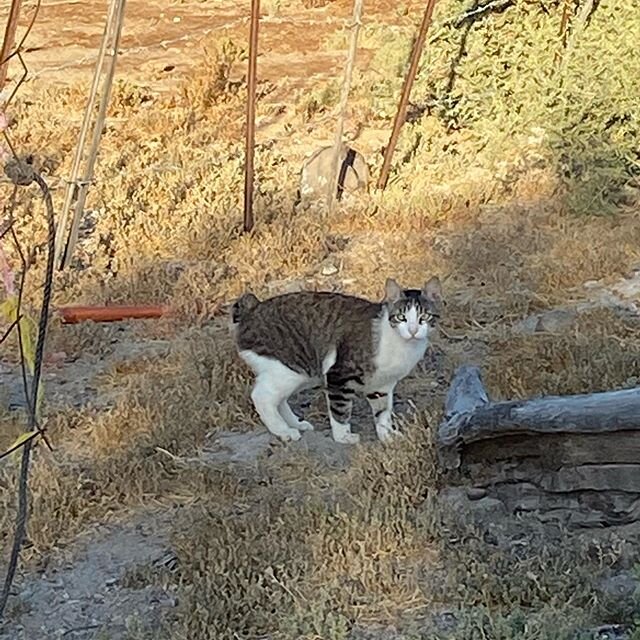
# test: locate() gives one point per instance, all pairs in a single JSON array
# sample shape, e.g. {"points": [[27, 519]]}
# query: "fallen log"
{"points": [[574, 458]]}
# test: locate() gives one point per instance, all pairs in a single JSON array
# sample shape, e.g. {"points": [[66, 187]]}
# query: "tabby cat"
{"points": [[351, 345]]}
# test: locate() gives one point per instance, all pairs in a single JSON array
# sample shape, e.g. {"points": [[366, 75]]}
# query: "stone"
{"points": [[621, 585], [476, 493], [316, 170], [481, 510], [329, 270], [554, 321]]}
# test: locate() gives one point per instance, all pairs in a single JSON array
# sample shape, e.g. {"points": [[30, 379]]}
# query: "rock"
{"points": [[608, 632], [238, 448], [629, 287], [277, 287], [481, 510], [554, 321], [445, 621], [329, 270], [621, 585], [316, 170], [476, 493]]}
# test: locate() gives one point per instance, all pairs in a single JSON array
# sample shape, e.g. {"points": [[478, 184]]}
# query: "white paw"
{"points": [[290, 435], [347, 438], [386, 433], [303, 425]]}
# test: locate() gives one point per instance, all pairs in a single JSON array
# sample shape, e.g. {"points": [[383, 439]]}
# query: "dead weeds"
{"points": [[288, 547]]}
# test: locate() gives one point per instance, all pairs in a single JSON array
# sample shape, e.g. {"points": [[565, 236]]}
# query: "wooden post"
{"points": [[72, 184], [334, 173], [406, 92], [9, 40], [113, 32], [251, 117]]}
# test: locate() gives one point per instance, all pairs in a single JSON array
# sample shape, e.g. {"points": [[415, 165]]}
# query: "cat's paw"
{"points": [[303, 425], [290, 435], [347, 438], [387, 433]]}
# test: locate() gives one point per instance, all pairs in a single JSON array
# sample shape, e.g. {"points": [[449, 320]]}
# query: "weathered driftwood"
{"points": [[571, 457]]}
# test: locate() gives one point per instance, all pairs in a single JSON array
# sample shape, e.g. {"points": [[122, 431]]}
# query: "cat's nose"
{"points": [[413, 330]]}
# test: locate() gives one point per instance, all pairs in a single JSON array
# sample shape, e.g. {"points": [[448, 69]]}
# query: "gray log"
{"points": [[573, 459], [470, 416]]}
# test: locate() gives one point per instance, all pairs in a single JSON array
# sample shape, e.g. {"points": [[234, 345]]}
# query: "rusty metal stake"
{"points": [[9, 40], [416, 54], [251, 117], [564, 22]]}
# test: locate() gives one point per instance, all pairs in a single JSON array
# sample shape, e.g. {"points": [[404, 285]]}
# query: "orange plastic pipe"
{"points": [[75, 314]]}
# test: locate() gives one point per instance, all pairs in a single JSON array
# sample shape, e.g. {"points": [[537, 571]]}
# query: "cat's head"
{"points": [[413, 312]]}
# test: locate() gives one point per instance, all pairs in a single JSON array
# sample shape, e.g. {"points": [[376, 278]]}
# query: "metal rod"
{"points": [[72, 185], [416, 54], [97, 134], [332, 185], [251, 117], [564, 23], [9, 40]]}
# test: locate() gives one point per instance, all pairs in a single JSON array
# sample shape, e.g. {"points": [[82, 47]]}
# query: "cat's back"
{"points": [[301, 327], [304, 310]]}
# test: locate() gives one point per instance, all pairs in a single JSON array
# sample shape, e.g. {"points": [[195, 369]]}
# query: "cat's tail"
{"points": [[242, 306]]}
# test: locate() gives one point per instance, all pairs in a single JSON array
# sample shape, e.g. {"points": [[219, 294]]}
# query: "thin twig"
{"points": [[23, 275], [32, 399], [478, 12], [21, 173], [27, 33], [20, 45], [6, 228], [21, 524], [8, 452], [11, 327], [9, 37]]}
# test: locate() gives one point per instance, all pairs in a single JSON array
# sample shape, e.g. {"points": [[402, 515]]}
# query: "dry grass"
{"points": [[292, 548]]}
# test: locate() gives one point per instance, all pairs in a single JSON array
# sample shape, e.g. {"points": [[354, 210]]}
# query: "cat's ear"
{"points": [[432, 290], [392, 290]]}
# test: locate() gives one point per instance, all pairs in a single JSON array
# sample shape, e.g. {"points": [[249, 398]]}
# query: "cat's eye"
{"points": [[401, 317], [427, 318]]}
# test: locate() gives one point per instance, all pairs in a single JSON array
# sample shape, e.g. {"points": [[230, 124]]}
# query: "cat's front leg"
{"points": [[381, 403], [340, 402], [292, 419], [340, 418]]}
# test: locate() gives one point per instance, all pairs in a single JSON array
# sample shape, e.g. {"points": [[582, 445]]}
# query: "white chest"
{"points": [[395, 357]]}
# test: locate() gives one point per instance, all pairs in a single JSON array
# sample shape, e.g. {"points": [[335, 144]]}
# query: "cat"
{"points": [[352, 345]]}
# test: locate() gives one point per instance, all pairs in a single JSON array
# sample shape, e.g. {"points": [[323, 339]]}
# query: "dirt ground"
{"points": [[165, 510]]}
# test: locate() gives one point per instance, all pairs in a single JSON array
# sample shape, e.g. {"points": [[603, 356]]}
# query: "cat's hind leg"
{"points": [[274, 384], [292, 419]]}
